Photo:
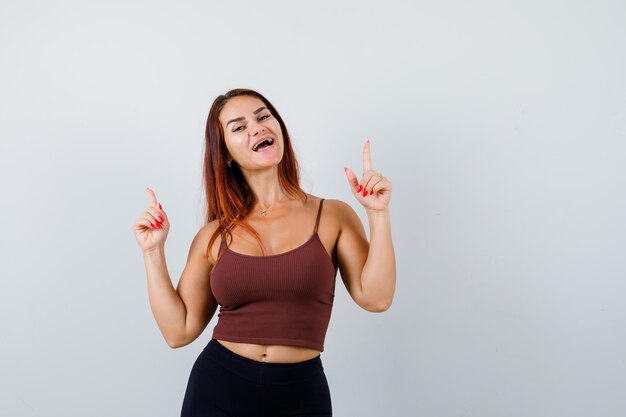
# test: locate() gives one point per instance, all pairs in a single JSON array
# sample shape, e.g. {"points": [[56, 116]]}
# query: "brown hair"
{"points": [[228, 197]]}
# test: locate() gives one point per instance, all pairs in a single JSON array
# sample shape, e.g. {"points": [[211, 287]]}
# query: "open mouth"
{"points": [[263, 145]]}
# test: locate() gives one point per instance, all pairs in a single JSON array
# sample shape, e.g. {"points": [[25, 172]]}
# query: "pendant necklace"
{"points": [[263, 212]]}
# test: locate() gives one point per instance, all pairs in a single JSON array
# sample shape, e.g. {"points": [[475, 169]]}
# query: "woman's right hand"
{"points": [[152, 226]]}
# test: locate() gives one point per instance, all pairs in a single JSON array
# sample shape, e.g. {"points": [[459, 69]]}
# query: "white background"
{"points": [[500, 124]]}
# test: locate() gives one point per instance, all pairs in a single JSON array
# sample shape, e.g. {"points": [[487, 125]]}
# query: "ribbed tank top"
{"points": [[285, 298]]}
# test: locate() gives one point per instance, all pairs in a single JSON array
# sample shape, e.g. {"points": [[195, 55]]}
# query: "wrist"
{"points": [[372, 212], [156, 251]]}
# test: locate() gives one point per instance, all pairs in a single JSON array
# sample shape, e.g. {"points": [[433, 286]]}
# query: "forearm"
{"points": [[378, 279], [167, 307]]}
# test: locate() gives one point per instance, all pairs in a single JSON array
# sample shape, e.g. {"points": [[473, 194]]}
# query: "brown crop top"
{"points": [[285, 298]]}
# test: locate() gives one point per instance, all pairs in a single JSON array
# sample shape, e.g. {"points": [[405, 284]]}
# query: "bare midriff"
{"points": [[271, 353]]}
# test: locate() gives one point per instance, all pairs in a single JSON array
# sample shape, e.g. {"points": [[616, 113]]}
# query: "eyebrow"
{"points": [[242, 118]]}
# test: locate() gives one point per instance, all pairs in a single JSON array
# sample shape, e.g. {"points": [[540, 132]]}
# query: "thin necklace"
{"points": [[264, 211]]}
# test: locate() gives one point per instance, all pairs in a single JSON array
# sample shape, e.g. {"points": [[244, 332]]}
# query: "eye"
{"points": [[261, 118]]}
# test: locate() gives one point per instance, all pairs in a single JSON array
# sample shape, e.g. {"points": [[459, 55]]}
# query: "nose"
{"points": [[256, 127]]}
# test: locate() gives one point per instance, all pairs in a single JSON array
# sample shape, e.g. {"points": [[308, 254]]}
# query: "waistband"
{"points": [[263, 372]]}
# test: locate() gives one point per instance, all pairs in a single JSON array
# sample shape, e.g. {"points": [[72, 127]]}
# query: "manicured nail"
{"points": [[160, 218], [151, 225], [359, 189], [160, 208], [159, 226], [365, 193], [345, 169]]}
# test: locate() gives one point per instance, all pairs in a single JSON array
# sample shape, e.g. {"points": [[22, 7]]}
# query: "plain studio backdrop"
{"points": [[501, 126]]}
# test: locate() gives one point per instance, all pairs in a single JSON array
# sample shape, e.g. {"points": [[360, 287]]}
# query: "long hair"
{"points": [[228, 197]]}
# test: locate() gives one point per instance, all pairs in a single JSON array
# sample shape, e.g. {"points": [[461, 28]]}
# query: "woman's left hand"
{"points": [[374, 190]]}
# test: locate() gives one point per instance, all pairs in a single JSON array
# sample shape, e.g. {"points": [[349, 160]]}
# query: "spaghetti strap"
{"points": [[222, 245], [319, 212]]}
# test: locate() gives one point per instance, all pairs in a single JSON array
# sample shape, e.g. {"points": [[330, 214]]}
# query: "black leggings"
{"points": [[225, 384]]}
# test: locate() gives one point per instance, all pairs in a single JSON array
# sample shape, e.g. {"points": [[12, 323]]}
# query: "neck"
{"points": [[265, 187]]}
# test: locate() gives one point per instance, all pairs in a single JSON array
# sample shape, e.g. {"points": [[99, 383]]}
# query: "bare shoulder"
{"points": [[208, 229], [202, 238], [340, 211]]}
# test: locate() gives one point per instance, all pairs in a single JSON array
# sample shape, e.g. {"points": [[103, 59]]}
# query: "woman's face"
{"points": [[245, 121]]}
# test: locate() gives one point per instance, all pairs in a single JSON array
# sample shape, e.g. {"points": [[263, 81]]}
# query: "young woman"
{"points": [[268, 255]]}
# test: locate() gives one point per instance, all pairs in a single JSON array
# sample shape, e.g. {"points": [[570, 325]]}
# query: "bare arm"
{"points": [[182, 314], [378, 278], [370, 267], [194, 288], [368, 270], [167, 307]]}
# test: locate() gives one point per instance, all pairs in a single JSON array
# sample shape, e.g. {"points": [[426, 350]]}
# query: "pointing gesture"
{"points": [[152, 226], [373, 190]]}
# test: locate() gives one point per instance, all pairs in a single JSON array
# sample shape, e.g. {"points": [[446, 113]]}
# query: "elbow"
{"points": [[176, 343], [381, 309], [378, 308], [173, 344]]}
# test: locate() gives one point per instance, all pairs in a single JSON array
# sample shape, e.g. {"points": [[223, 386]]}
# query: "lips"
{"points": [[261, 140]]}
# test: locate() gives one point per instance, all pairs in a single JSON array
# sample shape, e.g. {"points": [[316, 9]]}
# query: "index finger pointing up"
{"points": [[367, 162], [152, 196]]}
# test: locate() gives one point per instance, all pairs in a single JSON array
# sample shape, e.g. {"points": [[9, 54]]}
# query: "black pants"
{"points": [[225, 384]]}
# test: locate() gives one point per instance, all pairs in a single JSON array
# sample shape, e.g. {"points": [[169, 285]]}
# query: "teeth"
{"points": [[270, 140]]}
